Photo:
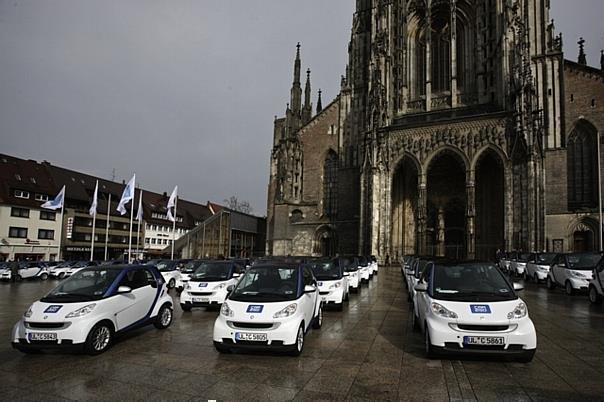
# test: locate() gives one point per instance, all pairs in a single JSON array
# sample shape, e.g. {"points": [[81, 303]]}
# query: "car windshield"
{"points": [[271, 283], [350, 264], [164, 266], [524, 257], [419, 267], [209, 271], [81, 264], [325, 270], [85, 285], [363, 262], [191, 266], [584, 261], [65, 265], [545, 258], [473, 282]]}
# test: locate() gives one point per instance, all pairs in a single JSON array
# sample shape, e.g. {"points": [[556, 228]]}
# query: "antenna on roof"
{"points": [[113, 175]]}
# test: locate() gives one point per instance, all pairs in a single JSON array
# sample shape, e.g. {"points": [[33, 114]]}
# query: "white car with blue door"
{"points": [[271, 307], [472, 308], [87, 310], [78, 266], [332, 280], [207, 286], [573, 271]]}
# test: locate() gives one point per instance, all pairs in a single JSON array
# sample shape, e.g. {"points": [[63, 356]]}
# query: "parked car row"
{"points": [[270, 304], [573, 272], [468, 307]]}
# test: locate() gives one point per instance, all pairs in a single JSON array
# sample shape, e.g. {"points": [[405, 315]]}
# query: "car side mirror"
{"points": [[421, 287], [236, 275], [346, 274], [124, 289], [518, 287], [309, 289], [230, 288]]}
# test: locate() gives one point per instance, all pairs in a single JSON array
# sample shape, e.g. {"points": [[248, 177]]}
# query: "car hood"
{"points": [[481, 312], [206, 285], [257, 312], [53, 312]]}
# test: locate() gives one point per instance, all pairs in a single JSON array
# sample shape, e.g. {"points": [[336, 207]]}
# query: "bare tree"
{"points": [[240, 206]]}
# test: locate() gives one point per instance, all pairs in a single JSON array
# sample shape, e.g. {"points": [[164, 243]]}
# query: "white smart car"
{"points": [[573, 271], [78, 266], [596, 285], [208, 285], [472, 308], [169, 270], [87, 310], [332, 280], [272, 307], [364, 269], [374, 265], [27, 270], [518, 265], [185, 273], [351, 267], [538, 266], [60, 270]]}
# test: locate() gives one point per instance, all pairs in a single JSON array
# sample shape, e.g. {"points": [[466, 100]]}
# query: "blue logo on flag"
{"points": [[255, 308], [480, 308], [52, 309], [203, 285]]}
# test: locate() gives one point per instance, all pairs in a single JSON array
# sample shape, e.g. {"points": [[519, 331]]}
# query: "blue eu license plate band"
{"points": [[480, 308]]}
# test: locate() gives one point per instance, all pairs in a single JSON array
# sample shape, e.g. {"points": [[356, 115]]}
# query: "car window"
{"points": [[308, 278], [425, 277], [471, 282], [267, 283], [584, 261], [83, 285], [135, 279]]}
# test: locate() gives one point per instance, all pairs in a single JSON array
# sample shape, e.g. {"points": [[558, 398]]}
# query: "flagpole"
{"points": [[107, 225], [138, 221], [92, 245], [130, 234], [61, 229], [174, 225]]}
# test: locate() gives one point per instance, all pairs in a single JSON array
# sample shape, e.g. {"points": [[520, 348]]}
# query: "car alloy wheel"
{"points": [[99, 338], [594, 297], [568, 288], [164, 317], [171, 284], [62, 275], [300, 339], [44, 277]]}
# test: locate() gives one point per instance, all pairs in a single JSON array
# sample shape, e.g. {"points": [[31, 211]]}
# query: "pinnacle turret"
{"points": [[307, 111], [319, 103]]}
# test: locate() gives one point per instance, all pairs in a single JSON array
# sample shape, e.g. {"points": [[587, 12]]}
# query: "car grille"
{"points": [[251, 325], [323, 293], [483, 328], [47, 343], [201, 293], [44, 325]]}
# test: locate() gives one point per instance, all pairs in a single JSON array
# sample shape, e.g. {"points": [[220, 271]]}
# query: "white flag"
{"points": [[139, 213], [92, 210], [127, 195], [172, 204], [57, 202]]}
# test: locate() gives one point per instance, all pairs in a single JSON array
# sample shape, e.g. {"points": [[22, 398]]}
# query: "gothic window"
{"points": [[582, 162], [330, 181], [441, 54], [296, 216]]}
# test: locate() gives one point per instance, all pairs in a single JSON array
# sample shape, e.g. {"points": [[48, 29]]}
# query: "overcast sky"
{"points": [[180, 92]]}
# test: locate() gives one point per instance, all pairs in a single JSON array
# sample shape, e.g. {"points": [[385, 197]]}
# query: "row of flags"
{"points": [[127, 196]]}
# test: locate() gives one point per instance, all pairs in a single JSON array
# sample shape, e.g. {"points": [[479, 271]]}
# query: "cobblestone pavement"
{"points": [[366, 352]]}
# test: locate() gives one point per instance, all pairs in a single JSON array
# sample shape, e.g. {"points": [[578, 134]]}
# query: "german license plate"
{"points": [[42, 336], [484, 340], [249, 336], [201, 300]]}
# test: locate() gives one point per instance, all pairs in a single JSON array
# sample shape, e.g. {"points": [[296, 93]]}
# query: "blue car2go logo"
{"points": [[480, 308], [52, 309], [255, 308]]}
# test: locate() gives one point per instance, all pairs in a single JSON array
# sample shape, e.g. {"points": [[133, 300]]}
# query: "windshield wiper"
{"points": [[69, 295]]}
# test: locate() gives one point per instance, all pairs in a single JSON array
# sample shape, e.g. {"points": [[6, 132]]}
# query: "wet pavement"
{"points": [[368, 351]]}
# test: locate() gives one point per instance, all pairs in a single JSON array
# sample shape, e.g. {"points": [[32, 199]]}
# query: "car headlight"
{"points": [[81, 311], [287, 311], [221, 286], [28, 313], [543, 268], [519, 312], [335, 285], [442, 311], [577, 274], [226, 311]]}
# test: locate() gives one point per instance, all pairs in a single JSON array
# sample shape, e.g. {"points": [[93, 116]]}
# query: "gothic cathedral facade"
{"points": [[459, 129]]}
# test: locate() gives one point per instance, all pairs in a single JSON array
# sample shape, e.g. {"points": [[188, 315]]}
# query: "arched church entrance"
{"points": [[325, 242], [404, 208], [447, 200], [489, 173]]}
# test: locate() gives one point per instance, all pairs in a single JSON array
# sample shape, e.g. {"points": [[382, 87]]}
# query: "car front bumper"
{"points": [[72, 334], [215, 298], [331, 296], [579, 284], [282, 334]]}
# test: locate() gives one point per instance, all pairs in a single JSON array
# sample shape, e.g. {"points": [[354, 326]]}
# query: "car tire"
{"points": [[299, 345], [355, 290], [62, 275], [414, 323], [185, 307], [551, 285], [347, 297], [171, 284], [527, 357], [594, 296], [536, 278], [568, 288], [428, 348], [164, 317], [221, 348], [317, 323], [340, 306], [19, 278], [44, 277], [99, 338]]}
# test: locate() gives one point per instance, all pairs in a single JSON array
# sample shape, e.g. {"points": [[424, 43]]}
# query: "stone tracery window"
{"points": [[582, 162], [330, 182]]}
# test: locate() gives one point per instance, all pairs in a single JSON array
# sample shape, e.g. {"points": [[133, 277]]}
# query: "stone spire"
{"points": [[582, 57], [296, 92], [319, 103], [307, 111]]}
